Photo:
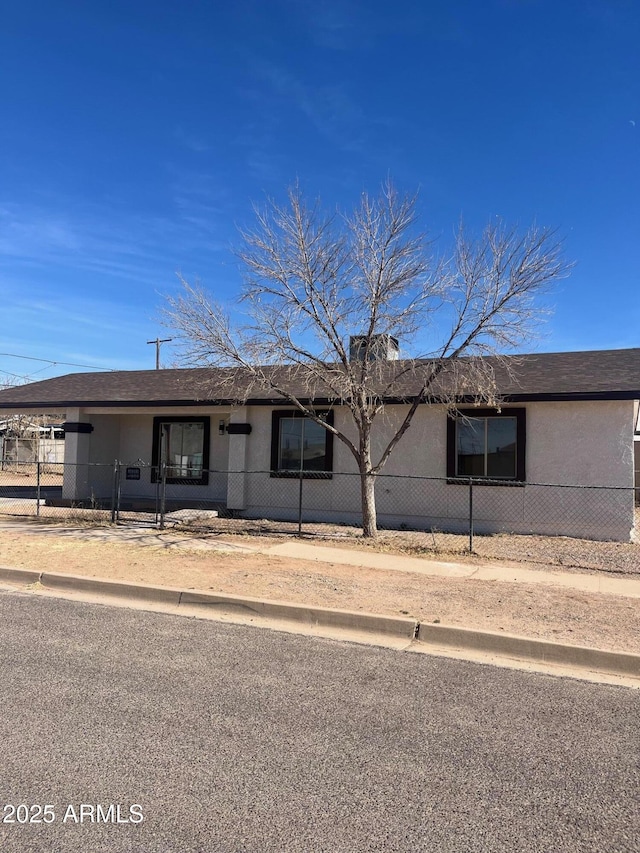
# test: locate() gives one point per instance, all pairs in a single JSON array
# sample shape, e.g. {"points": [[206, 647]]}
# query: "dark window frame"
{"points": [[203, 480], [520, 414], [280, 414]]}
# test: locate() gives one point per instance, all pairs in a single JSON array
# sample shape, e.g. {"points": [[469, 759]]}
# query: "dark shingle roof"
{"points": [[599, 374]]}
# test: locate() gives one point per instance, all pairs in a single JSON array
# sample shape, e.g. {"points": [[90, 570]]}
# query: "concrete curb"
{"points": [[427, 635], [543, 651], [19, 575], [322, 617], [119, 589]]}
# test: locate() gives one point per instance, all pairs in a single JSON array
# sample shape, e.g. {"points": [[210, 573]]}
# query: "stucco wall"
{"points": [[588, 444], [574, 445], [129, 439], [585, 443]]}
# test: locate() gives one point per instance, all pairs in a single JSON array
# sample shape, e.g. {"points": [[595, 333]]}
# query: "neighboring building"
{"points": [[25, 442], [567, 419]]}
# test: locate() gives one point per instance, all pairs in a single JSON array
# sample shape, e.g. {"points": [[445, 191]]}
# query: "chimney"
{"points": [[381, 348]]}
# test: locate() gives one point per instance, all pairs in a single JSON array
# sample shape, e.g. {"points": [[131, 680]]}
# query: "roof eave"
{"points": [[523, 397]]}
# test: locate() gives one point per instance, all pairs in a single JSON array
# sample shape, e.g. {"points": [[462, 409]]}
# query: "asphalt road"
{"points": [[232, 739]]}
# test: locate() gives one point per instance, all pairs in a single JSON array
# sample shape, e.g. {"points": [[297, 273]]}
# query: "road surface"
{"points": [[148, 732]]}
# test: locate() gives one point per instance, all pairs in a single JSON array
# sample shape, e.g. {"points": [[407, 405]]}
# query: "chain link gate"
{"points": [[138, 492]]}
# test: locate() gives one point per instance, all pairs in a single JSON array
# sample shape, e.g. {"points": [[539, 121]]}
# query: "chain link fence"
{"points": [[314, 503], [16, 454]]}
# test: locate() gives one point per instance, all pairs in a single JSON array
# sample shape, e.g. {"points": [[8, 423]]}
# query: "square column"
{"points": [[77, 441], [238, 430]]}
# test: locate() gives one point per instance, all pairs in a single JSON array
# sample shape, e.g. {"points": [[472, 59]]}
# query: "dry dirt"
{"points": [[189, 561]]}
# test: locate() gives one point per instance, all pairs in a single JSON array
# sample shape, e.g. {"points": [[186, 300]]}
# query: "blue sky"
{"points": [[136, 136]]}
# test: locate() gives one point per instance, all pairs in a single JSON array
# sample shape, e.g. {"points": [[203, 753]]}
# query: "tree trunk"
{"points": [[369, 517]]}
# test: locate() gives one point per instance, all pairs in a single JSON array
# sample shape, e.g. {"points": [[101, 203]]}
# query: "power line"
{"points": [[25, 377], [54, 363], [15, 375]]}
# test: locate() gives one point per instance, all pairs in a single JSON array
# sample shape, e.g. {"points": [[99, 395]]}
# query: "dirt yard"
{"points": [[197, 561]]}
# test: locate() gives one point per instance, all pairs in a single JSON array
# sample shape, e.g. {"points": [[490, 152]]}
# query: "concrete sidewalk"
{"points": [[504, 572], [584, 581]]}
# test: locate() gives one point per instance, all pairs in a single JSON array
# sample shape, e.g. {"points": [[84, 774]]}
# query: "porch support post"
{"points": [[77, 440], [238, 455]]}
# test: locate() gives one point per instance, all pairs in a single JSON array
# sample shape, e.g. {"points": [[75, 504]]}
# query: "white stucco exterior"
{"points": [[568, 445], [586, 444]]}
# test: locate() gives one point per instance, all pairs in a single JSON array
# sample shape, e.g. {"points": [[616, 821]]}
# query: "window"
{"points": [[300, 444], [182, 444], [487, 444]]}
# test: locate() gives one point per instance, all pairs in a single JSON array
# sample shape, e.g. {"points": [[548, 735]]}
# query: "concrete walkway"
{"points": [[489, 571], [626, 586]]}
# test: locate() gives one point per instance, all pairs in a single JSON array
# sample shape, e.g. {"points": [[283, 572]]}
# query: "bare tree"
{"points": [[8, 380], [315, 280], [14, 426]]}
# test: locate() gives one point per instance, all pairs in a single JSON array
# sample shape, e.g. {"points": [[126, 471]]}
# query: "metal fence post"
{"points": [[114, 491], [38, 487], [300, 504], [163, 493], [155, 478], [470, 515]]}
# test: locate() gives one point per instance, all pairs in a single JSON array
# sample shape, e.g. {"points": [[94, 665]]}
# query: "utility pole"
{"points": [[157, 342]]}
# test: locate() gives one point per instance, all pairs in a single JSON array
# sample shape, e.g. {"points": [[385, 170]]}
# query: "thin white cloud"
{"points": [[106, 241], [191, 141], [22, 235], [330, 108], [55, 314], [336, 24]]}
